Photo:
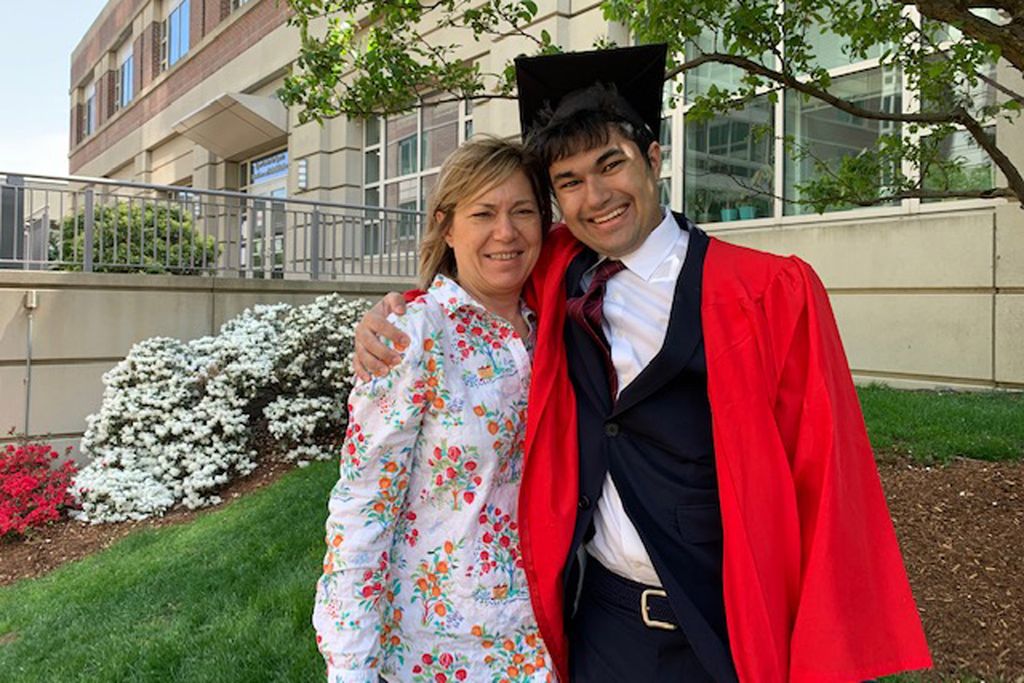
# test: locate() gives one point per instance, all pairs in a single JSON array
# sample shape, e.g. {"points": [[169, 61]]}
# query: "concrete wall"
{"points": [[85, 323], [921, 301]]}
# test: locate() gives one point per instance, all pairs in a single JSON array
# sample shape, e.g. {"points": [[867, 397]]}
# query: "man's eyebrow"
{"points": [[609, 153]]}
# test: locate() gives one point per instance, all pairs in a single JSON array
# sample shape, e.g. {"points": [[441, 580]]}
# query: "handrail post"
{"points": [[89, 226], [314, 244], [250, 237]]}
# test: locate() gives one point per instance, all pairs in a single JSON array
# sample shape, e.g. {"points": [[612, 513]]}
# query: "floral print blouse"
{"points": [[423, 577]]}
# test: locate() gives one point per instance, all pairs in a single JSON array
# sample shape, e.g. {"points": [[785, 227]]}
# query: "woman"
{"points": [[423, 577]]}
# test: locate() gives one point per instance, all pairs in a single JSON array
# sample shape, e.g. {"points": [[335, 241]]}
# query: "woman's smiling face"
{"points": [[496, 237]]}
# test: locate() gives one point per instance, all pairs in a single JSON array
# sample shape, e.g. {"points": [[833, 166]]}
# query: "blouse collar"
{"points": [[454, 298]]}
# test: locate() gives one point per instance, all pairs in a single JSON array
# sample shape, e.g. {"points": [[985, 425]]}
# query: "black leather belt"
{"points": [[649, 603]]}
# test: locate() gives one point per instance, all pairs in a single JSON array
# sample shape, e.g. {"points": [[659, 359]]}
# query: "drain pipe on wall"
{"points": [[31, 304]]}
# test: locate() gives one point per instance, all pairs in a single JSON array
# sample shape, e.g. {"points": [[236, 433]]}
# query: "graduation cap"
{"points": [[558, 85]]}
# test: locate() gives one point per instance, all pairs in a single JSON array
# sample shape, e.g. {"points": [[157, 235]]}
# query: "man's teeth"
{"points": [[607, 217], [504, 256]]}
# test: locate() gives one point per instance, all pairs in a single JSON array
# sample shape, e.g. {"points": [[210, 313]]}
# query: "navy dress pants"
{"points": [[609, 643]]}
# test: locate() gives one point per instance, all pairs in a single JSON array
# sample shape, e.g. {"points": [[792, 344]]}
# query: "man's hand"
{"points": [[372, 356]]}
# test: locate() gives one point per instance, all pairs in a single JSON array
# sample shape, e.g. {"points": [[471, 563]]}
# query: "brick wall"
{"points": [[101, 38], [106, 103], [236, 38], [150, 62], [214, 12], [138, 59], [196, 22]]}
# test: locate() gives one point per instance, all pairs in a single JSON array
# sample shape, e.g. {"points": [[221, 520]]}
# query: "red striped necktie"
{"points": [[586, 310]]}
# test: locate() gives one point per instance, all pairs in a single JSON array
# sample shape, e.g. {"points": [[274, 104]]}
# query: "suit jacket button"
{"points": [[584, 502], [611, 429]]}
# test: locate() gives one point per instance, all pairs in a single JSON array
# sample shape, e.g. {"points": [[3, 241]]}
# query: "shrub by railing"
{"points": [[151, 239]]}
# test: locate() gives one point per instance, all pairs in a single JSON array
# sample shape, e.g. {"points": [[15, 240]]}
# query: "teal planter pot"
{"points": [[729, 214]]}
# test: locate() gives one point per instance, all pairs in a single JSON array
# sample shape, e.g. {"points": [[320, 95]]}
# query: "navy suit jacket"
{"points": [[656, 443]]}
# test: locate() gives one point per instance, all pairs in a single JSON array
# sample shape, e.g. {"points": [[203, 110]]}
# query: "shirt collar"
{"points": [[454, 298], [646, 258]]}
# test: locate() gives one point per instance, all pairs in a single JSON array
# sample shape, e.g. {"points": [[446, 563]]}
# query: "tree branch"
{"points": [[419, 105], [1006, 5], [1012, 94], [921, 193], [516, 28], [1013, 177], [957, 13], [790, 81], [911, 193]]}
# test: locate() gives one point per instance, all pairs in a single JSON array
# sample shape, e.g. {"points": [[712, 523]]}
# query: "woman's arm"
{"points": [[385, 416]]}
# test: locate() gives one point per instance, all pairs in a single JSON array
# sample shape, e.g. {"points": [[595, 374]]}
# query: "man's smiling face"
{"points": [[609, 194]]}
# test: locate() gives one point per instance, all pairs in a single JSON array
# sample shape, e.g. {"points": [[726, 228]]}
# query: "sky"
{"points": [[36, 41]]}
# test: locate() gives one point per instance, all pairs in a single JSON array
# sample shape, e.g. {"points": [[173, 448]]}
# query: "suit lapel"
{"points": [[684, 326]]}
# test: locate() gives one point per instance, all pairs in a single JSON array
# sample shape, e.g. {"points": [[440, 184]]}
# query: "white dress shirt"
{"points": [[637, 305]]}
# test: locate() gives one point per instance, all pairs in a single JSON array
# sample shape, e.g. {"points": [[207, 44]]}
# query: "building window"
{"points": [[977, 172], [174, 35], [401, 158], [406, 156], [665, 172], [90, 109], [829, 135], [728, 161], [736, 166], [262, 247], [440, 133], [235, 4], [729, 165], [124, 79]]}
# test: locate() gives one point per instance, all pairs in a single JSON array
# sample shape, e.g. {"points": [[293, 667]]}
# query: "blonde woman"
{"points": [[423, 577]]}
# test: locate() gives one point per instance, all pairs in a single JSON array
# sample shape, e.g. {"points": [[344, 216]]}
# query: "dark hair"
{"points": [[584, 120]]}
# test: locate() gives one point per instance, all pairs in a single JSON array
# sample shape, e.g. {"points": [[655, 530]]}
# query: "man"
{"points": [[692, 427]]}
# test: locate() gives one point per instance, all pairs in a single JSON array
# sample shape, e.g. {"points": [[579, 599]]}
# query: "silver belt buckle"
{"points": [[644, 609]]}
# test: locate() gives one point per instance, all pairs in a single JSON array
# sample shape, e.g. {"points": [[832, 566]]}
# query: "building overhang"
{"points": [[236, 125]]}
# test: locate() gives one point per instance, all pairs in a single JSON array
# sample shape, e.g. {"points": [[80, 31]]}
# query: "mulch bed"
{"points": [[48, 548], [961, 528]]}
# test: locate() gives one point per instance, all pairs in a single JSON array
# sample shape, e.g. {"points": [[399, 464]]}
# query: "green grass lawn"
{"points": [[225, 598], [228, 597], [935, 427]]}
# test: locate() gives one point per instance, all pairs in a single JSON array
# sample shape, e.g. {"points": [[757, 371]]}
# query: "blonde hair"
{"points": [[474, 168]]}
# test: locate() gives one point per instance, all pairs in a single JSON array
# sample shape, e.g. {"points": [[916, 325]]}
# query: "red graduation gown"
{"points": [[814, 584]]}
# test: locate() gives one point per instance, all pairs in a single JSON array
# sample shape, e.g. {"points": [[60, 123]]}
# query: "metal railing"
{"points": [[101, 225]]}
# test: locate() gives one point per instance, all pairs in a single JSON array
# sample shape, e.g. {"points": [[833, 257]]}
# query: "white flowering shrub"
{"points": [[179, 420]]}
